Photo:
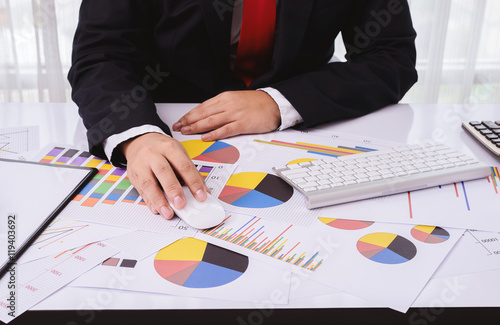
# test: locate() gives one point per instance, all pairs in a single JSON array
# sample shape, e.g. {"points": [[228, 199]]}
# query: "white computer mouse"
{"points": [[200, 215]]}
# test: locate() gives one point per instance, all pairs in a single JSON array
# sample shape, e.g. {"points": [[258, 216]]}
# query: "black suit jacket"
{"points": [[129, 54]]}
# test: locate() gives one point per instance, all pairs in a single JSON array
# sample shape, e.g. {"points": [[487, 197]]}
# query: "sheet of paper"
{"points": [[255, 189], [26, 285], [388, 264], [467, 205], [476, 251], [14, 142], [194, 268], [140, 244], [65, 234], [110, 198]]}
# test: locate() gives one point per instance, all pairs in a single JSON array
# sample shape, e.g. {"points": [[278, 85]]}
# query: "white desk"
{"points": [[59, 123]]}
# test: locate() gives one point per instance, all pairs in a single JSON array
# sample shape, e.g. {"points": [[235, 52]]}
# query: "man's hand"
{"points": [[154, 158], [231, 113]]}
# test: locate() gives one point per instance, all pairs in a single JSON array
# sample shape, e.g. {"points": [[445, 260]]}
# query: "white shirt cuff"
{"points": [[115, 140], [289, 115]]}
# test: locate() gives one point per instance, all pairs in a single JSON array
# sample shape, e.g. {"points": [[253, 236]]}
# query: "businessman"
{"points": [[255, 66]]}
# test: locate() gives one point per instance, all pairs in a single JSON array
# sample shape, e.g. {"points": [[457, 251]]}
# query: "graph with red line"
{"points": [[42, 277], [276, 240]]}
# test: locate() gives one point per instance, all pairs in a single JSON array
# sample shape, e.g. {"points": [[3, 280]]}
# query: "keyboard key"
{"points": [[299, 175], [318, 162], [295, 171], [299, 180], [308, 184], [489, 124], [486, 131]]}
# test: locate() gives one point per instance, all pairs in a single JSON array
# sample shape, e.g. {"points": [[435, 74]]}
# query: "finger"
{"points": [[148, 202], [192, 178], [169, 182], [188, 173], [154, 195], [226, 131], [209, 123], [202, 111], [132, 177]]}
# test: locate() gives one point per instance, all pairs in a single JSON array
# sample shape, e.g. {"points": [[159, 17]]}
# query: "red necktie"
{"points": [[255, 47]]}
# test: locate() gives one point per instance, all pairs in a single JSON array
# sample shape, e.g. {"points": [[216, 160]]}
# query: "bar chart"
{"points": [[110, 185], [330, 151], [276, 240]]}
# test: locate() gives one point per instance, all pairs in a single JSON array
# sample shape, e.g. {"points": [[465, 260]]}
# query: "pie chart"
{"points": [[255, 190], [194, 263], [430, 234], [212, 151], [346, 224], [386, 248]]}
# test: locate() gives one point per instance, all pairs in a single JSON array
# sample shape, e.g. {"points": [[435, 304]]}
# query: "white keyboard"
{"points": [[377, 173]]}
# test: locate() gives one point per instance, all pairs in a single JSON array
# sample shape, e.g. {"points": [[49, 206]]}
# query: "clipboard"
{"points": [[31, 196]]}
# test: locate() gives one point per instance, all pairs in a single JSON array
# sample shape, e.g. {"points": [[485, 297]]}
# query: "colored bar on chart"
{"points": [[118, 191], [318, 149], [94, 162], [86, 189], [115, 175], [102, 188], [131, 196], [81, 159], [51, 155], [66, 156], [204, 170], [90, 185]]}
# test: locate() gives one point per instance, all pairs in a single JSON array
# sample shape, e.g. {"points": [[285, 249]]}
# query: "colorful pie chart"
{"points": [[346, 224], [430, 234], [386, 248], [212, 151], [194, 263], [255, 190]]}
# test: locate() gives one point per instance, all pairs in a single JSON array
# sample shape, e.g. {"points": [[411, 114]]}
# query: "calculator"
{"points": [[487, 133]]}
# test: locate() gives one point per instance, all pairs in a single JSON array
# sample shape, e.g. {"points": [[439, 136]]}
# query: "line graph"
{"points": [[14, 141]]}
